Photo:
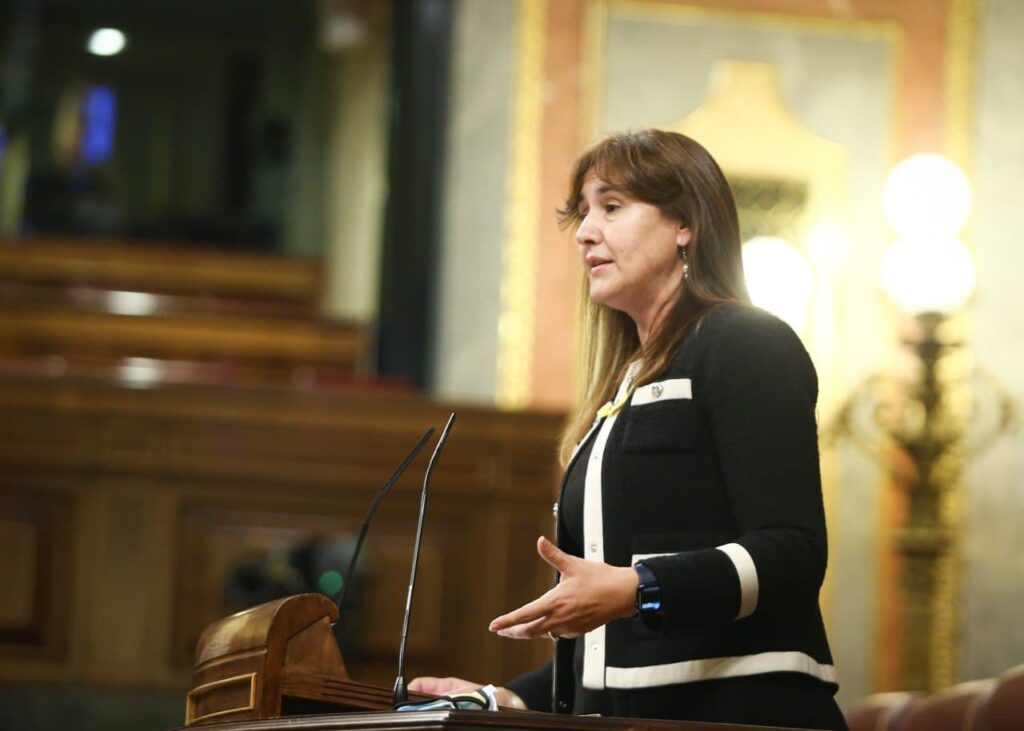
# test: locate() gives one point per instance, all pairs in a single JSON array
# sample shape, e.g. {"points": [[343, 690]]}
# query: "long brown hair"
{"points": [[676, 174]]}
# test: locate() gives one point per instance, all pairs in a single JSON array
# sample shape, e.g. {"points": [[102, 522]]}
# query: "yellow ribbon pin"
{"points": [[612, 408]]}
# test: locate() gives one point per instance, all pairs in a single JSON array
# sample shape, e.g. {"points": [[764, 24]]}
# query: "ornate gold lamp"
{"points": [[917, 426]]}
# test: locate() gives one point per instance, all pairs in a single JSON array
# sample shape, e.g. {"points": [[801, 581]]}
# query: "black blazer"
{"points": [[710, 476]]}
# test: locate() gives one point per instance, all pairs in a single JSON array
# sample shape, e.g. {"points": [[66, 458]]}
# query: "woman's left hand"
{"points": [[588, 595]]}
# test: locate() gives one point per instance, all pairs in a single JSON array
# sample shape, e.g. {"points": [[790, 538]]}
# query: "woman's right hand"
{"points": [[443, 686], [446, 686]]}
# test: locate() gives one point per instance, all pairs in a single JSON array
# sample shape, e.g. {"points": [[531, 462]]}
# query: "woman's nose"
{"points": [[587, 233]]}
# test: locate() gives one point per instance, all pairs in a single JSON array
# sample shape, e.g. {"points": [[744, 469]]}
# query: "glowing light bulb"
{"points": [[779, 278], [927, 195], [928, 275], [106, 42]]}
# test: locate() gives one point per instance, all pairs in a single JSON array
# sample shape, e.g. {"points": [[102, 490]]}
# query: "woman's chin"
{"points": [[608, 299], [599, 297]]}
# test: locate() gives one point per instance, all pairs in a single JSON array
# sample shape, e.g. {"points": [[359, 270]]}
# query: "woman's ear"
{"points": [[683, 236]]}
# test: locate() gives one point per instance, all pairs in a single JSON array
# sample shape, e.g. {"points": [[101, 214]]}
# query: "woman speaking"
{"points": [[690, 535]]}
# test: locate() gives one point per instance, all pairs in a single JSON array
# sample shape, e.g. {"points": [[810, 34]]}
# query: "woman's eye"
{"points": [[611, 207]]}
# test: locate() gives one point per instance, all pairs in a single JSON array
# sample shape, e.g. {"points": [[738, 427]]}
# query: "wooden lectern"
{"points": [[256, 670], [278, 657]]}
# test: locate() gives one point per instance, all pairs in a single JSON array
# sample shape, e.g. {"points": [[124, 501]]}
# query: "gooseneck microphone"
{"points": [[401, 692], [373, 508]]}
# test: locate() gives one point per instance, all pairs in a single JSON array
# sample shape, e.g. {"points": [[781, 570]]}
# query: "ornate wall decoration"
{"points": [[769, 206]]}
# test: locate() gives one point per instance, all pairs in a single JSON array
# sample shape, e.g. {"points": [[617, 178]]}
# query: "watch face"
{"points": [[648, 593], [649, 599]]}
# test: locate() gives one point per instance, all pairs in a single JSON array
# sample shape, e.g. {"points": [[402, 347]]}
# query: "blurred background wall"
{"points": [[249, 255], [992, 483]]}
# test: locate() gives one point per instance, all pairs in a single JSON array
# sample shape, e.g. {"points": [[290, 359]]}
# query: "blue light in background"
{"points": [[99, 113]]}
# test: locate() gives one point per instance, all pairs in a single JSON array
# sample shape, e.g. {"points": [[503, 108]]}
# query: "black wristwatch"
{"points": [[648, 592]]}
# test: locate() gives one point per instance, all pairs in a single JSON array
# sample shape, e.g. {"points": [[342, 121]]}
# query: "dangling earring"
{"points": [[686, 265]]}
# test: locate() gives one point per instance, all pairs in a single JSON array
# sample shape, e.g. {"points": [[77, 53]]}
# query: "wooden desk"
{"points": [[474, 721]]}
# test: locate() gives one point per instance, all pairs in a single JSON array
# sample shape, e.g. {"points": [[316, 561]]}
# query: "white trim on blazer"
{"points": [[652, 393], [718, 667], [593, 532], [745, 570]]}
